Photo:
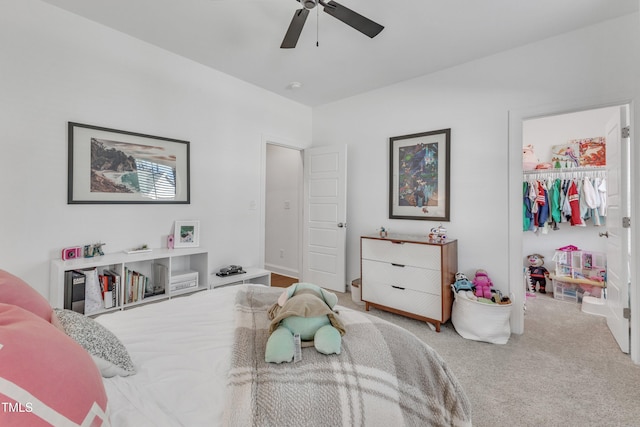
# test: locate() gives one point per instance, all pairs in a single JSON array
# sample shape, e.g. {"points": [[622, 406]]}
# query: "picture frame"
{"points": [[115, 166], [593, 151], [186, 234], [419, 176]]}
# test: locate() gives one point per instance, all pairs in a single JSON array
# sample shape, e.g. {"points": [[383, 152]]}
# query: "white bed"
{"points": [[181, 349], [185, 350]]}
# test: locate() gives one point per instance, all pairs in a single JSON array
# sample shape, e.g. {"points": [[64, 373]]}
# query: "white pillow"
{"points": [[105, 348]]}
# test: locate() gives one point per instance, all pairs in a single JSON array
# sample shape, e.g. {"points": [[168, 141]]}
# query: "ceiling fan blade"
{"points": [[364, 25], [295, 28]]}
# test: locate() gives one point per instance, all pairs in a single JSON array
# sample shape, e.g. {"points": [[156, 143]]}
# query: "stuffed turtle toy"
{"points": [[306, 310]]}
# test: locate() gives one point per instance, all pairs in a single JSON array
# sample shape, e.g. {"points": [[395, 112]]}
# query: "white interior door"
{"points": [[618, 254], [325, 216]]}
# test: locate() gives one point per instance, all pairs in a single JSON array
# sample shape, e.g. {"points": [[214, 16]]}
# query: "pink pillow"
{"points": [[16, 291], [45, 377]]}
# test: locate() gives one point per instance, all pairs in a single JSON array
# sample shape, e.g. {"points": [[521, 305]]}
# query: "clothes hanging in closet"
{"points": [[549, 201]]}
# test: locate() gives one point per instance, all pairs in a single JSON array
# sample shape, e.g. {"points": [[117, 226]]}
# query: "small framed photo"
{"points": [[186, 234], [419, 176]]}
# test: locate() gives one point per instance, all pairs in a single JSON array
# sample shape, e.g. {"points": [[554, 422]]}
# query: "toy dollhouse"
{"points": [[577, 272]]}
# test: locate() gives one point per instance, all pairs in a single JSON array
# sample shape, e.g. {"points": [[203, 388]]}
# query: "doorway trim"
{"points": [[281, 142], [515, 119]]}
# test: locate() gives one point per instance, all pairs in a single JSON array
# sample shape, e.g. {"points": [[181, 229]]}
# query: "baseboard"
{"points": [[284, 271]]}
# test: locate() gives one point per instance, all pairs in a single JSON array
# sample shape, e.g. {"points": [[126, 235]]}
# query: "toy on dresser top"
{"points": [[438, 234]]}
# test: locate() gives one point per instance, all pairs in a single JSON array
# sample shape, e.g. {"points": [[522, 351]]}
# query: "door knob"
{"points": [[605, 234], [341, 225]]}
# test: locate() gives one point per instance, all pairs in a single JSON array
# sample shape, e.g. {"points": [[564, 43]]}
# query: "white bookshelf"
{"points": [[252, 275], [175, 262]]}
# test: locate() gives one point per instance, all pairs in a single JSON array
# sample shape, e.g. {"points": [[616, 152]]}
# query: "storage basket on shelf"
{"points": [[479, 321]]}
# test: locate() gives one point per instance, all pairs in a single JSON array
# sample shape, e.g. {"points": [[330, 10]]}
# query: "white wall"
{"points": [[282, 210], [56, 67], [543, 133], [475, 101]]}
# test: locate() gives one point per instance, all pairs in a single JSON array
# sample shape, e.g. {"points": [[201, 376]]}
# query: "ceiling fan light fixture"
{"points": [[342, 13], [309, 4]]}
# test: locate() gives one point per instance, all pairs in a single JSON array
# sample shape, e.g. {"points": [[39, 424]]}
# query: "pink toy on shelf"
{"points": [[568, 248]]}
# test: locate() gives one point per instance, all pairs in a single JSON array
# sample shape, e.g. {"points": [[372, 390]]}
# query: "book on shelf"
{"points": [[128, 296], [106, 286], [115, 287], [135, 278], [148, 288], [74, 289], [110, 288], [136, 285]]}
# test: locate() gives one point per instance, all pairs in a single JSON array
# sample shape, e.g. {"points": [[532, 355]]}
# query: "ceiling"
{"points": [[242, 37]]}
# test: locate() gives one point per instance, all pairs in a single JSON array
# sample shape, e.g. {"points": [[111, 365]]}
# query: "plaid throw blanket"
{"points": [[384, 376]]}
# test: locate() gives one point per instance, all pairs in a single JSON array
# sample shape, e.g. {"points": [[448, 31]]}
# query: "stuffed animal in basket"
{"points": [[462, 283], [537, 273], [482, 284], [307, 310]]}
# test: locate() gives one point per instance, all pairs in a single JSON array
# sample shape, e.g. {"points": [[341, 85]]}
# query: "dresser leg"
{"points": [[366, 306]]}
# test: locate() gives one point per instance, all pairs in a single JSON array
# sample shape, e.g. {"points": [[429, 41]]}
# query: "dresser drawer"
{"points": [[403, 253], [417, 279], [420, 303]]}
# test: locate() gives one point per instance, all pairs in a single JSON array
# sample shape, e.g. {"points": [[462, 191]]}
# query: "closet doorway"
{"points": [[283, 210], [555, 140], [305, 213]]}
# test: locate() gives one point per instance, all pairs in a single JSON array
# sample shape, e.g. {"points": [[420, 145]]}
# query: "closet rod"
{"points": [[576, 169], [577, 172]]}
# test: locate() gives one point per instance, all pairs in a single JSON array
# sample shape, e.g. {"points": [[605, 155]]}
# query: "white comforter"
{"points": [[181, 348]]}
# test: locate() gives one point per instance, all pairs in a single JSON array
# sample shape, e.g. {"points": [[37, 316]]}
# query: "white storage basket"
{"points": [[481, 322]]}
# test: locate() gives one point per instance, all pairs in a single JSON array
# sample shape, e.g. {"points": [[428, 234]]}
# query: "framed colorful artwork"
{"points": [[565, 156], [593, 151], [419, 176]]}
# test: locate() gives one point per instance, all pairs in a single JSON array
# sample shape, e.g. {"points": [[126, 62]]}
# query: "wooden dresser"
{"points": [[409, 275]]}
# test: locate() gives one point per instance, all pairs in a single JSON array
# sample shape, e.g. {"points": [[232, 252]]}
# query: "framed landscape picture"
{"points": [[419, 176], [115, 166]]}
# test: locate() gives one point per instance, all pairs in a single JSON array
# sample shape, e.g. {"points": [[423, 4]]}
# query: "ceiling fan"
{"points": [[338, 11]]}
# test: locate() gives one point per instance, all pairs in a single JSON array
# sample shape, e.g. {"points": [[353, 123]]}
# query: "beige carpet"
{"points": [[565, 370]]}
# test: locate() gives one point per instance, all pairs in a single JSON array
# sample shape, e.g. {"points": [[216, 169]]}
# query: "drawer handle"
{"points": [[397, 265], [398, 287], [395, 242]]}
